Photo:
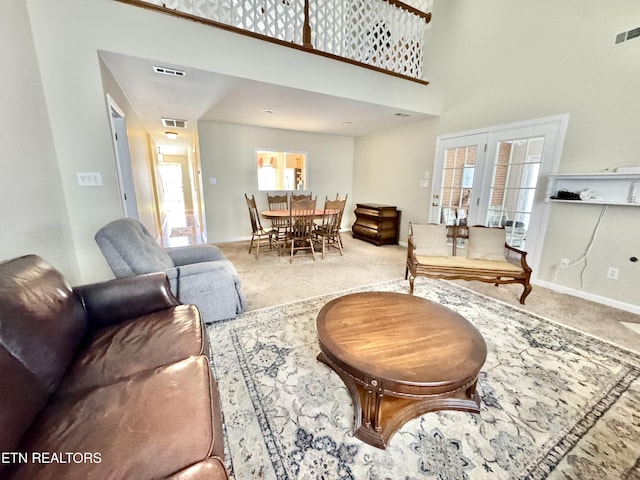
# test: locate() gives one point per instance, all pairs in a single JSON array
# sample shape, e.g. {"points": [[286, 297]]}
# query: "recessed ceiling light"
{"points": [[267, 111], [171, 135]]}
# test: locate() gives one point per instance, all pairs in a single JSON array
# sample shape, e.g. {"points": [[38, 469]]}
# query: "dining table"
{"points": [[275, 214]]}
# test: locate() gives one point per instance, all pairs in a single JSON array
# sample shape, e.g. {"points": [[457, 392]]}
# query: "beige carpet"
{"points": [[271, 280]]}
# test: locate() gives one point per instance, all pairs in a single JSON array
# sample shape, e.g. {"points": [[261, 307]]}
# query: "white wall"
{"points": [[389, 167], [32, 206], [501, 61], [228, 153]]}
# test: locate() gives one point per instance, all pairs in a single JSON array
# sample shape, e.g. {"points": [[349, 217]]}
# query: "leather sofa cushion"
{"points": [[210, 469], [41, 320], [143, 343], [21, 397], [41, 324], [148, 426]]}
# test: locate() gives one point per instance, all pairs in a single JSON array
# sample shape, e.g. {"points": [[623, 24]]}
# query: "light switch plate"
{"points": [[89, 179]]}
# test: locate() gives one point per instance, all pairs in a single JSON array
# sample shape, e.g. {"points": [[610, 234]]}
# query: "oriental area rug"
{"points": [[555, 403]]}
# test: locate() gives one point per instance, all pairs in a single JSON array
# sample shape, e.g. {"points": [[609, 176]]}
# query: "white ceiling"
{"points": [[202, 95]]}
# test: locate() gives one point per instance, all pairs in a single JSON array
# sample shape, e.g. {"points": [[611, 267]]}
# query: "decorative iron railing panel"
{"points": [[385, 34]]}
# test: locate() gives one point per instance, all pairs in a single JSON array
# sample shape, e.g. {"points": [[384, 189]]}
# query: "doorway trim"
{"points": [[126, 185]]}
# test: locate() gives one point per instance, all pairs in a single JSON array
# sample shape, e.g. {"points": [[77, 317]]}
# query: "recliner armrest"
{"points": [[194, 254], [115, 301]]}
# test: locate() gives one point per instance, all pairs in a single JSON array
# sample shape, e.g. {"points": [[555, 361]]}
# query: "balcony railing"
{"points": [[385, 35]]}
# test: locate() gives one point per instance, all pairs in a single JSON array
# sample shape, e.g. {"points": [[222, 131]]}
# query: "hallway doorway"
{"points": [[179, 226]]}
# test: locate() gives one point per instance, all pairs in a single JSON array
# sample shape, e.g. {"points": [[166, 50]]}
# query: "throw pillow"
{"points": [[486, 243], [431, 240]]}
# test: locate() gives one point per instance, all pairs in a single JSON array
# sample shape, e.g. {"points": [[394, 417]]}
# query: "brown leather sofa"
{"points": [[109, 380]]}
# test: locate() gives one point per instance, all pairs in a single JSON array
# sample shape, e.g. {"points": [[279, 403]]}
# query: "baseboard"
{"points": [[233, 239], [589, 296]]}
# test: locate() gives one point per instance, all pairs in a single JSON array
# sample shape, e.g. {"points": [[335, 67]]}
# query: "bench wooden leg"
{"points": [[527, 291]]}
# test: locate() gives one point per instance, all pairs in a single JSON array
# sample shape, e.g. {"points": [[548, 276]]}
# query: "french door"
{"points": [[457, 179], [514, 167], [491, 178]]}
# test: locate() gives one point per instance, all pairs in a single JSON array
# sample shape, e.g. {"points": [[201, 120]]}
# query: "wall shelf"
{"points": [[611, 188]]}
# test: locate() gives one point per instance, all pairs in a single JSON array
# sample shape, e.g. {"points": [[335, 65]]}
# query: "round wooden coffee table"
{"points": [[400, 356]]}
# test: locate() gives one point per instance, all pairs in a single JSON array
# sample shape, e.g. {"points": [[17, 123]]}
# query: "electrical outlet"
{"points": [[612, 273]]}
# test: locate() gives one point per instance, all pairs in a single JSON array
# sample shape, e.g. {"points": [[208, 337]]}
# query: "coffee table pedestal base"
{"points": [[379, 413]]}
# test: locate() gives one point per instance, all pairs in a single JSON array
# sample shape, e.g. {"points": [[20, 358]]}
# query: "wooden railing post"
{"points": [[306, 29]]}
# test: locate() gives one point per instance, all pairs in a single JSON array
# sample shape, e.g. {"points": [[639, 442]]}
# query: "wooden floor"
{"points": [[180, 229]]}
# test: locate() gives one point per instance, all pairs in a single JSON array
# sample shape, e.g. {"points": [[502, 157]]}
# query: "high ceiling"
{"points": [[202, 95]]}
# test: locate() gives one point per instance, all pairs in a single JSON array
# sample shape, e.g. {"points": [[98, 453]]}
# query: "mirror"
{"points": [[281, 170]]}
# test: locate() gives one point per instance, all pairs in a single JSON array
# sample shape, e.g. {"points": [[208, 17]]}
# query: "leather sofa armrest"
{"points": [[115, 301]]}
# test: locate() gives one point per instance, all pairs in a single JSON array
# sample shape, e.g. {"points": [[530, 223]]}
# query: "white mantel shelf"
{"points": [[613, 188]]}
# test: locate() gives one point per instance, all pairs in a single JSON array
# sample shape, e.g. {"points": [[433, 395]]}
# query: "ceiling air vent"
{"points": [[172, 122], [169, 71], [626, 36]]}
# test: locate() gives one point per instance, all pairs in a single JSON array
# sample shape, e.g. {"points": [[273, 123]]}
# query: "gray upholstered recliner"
{"points": [[199, 274]]}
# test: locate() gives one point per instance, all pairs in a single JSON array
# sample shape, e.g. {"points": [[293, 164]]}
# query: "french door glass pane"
{"points": [[457, 184], [516, 169]]}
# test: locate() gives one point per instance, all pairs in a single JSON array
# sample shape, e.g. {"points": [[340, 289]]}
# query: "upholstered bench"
{"points": [[454, 252]]}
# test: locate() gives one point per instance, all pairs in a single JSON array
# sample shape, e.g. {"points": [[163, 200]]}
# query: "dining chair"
{"points": [[301, 196], [279, 202], [301, 226], [328, 233], [265, 238], [344, 199]]}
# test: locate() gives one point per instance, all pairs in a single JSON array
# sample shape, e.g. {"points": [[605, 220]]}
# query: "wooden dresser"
{"points": [[375, 223]]}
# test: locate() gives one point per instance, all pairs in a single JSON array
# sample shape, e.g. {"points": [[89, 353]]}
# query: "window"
{"points": [[281, 170], [459, 158], [515, 177]]}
